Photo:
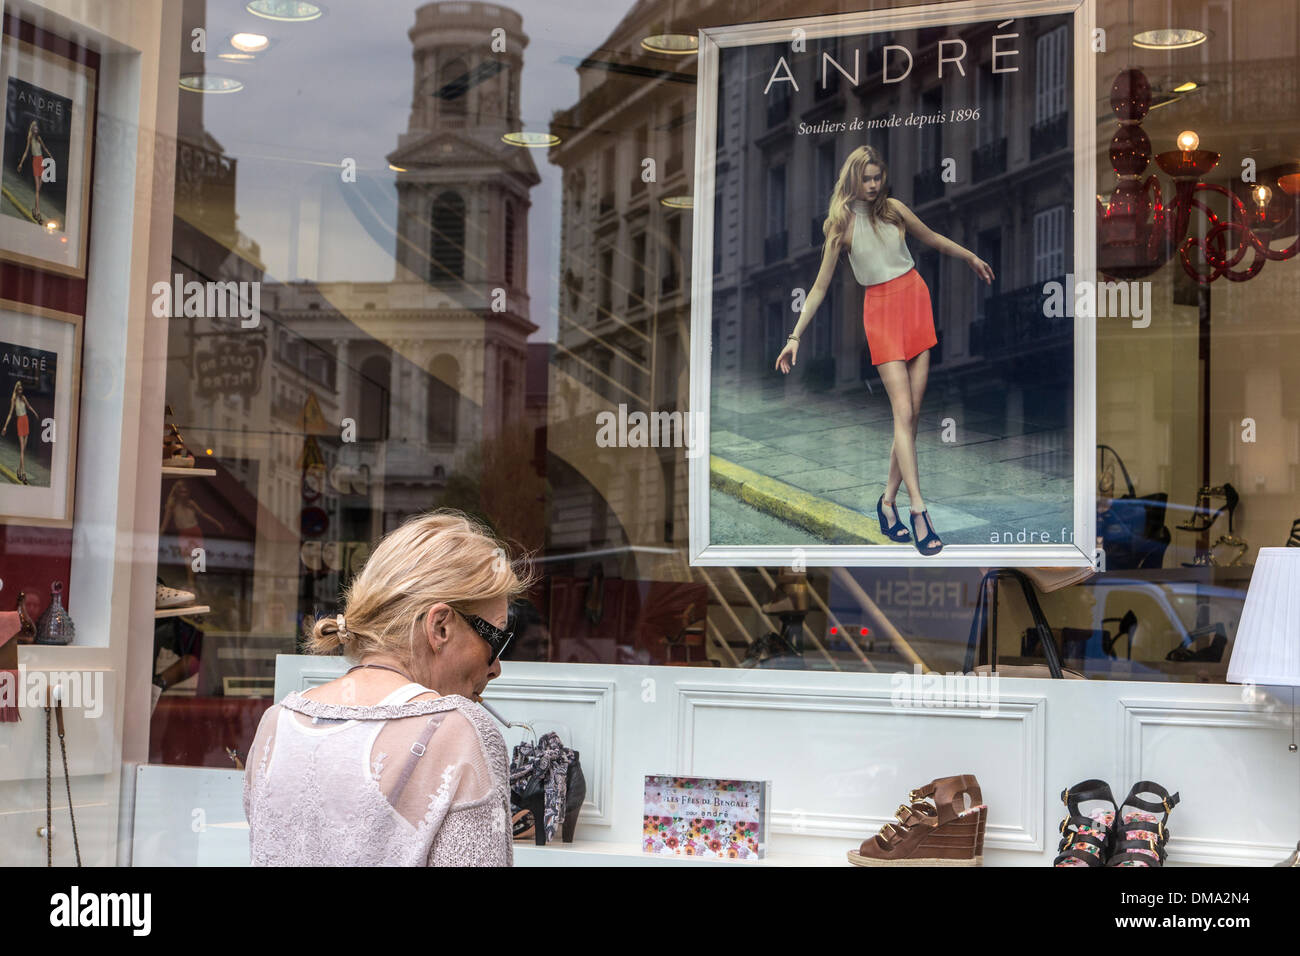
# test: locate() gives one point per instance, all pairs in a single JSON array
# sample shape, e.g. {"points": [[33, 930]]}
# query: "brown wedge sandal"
{"points": [[935, 830]]}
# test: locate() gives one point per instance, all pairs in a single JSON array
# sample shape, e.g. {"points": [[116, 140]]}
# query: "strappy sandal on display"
{"points": [[1141, 834], [896, 531], [522, 826], [930, 544], [935, 830], [1086, 837]]}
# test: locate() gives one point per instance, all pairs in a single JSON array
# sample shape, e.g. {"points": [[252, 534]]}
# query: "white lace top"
{"points": [[399, 783]]}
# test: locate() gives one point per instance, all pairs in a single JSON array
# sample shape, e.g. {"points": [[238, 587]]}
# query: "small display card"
{"points": [[706, 817]]}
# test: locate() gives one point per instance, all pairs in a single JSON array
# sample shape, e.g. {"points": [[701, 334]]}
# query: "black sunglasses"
{"points": [[497, 638]]}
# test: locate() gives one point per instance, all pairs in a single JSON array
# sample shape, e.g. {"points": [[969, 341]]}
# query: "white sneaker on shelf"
{"points": [[165, 597]]}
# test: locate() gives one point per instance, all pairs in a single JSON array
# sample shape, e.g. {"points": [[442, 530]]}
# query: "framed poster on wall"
{"points": [[906, 193], [39, 377], [47, 137]]}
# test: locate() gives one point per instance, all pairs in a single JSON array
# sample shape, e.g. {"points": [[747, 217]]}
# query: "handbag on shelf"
{"points": [[1132, 529], [546, 780]]}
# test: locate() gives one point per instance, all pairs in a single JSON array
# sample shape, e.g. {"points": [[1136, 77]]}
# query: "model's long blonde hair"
{"points": [[840, 215], [443, 556]]}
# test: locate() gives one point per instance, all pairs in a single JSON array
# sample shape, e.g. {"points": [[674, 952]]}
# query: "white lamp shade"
{"points": [[1267, 647]]}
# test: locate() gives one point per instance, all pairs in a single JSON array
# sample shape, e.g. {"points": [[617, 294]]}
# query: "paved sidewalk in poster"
{"points": [[827, 456], [37, 474]]}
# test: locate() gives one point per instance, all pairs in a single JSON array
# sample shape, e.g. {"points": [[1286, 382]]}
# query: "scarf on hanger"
{"points": [[10, 628], [545, 765]]}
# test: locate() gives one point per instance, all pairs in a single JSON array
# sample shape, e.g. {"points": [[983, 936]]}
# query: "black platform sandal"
{"points": [[895, 532], [930, 544], [1140, 833], [1086, 838]]}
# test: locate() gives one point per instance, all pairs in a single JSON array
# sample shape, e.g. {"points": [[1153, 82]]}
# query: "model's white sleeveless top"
{"points": [[877, 253]]}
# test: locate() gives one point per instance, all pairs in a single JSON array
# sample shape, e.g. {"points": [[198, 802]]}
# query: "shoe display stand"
{"points": [[191, 609]]}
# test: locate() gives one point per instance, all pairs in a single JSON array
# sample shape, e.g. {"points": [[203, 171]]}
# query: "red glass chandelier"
{"points": [[1138, 232]]}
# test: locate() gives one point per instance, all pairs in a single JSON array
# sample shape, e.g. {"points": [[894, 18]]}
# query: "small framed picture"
{"points": [[39, 376], [49, 90]]}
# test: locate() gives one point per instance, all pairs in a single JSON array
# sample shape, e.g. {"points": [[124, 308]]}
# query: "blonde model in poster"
{"points": [[36, 146], [871, 226], [19, 407]]}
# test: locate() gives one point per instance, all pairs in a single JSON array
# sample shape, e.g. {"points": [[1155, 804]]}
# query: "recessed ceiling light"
{"points": [[210, 83], [530, 140], [674, 44], [678, 202], [292, 11], [1187, 87], [249, 42], [1172, 38]]}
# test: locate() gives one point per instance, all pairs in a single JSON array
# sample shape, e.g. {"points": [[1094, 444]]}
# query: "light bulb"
{"points": [[249, 42], [1262, 194], [1188, 140]]}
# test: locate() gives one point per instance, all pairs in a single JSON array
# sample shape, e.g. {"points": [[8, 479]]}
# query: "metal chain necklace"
{"points": [[383, 667], [67, 780]]}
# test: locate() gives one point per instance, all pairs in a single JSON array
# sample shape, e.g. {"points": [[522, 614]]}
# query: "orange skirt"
{"points": [[897, 318]]}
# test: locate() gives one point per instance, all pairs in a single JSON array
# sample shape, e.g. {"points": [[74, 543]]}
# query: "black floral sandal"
{"points": [[1086, 837], [1141, 833]]}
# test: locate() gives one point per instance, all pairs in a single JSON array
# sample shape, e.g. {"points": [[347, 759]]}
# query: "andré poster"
{"points": [[882, 198]]}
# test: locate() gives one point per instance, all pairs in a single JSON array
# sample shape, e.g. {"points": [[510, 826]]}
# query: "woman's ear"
{"points": [[434, 622]]}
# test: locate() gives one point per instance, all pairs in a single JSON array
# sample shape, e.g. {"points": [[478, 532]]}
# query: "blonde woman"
{"points": [[394, 764], [866, 222]]}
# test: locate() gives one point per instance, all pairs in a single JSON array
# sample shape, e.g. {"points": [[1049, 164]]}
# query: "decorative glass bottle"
{"points": [[55, 626]]}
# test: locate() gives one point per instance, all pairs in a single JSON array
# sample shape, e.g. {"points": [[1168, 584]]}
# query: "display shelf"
{"points": [[162, 612], [607, 853], [171, 472]]}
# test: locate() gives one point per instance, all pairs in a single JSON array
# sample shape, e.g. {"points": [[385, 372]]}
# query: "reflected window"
{"points": [[372, 421], [453, 87], [443, 404], [448, 247]]}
